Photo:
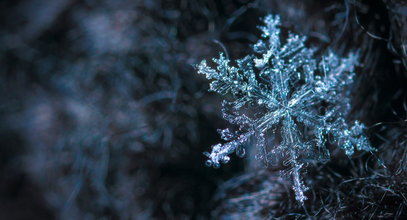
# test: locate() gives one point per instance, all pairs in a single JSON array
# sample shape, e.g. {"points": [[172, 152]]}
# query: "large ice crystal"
{"points": [[283, 94]]}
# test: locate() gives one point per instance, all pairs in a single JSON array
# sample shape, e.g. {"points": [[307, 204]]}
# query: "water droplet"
{"points": [[240, 152], [208, 163]]}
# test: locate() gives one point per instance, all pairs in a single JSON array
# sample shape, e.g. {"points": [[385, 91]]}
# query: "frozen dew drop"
{"points": [[240, 152], [209, 163]]}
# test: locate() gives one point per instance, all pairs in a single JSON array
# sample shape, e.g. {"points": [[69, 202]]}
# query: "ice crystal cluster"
{"points": [[284, 97]]}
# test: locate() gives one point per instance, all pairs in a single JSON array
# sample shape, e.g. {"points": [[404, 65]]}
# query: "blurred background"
{"points": [[103, 116]]}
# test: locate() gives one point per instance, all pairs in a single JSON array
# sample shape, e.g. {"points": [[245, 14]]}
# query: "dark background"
{"points": [[103, 115]]}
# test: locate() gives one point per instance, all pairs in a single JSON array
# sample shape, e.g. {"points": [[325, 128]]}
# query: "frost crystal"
{"points": [[284, 88]]}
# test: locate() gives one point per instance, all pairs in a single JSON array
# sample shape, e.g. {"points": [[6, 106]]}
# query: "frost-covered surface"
{"points": [[285, 94]]}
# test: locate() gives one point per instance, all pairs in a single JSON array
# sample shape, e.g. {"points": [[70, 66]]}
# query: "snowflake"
{"points": [[284, 90]]}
